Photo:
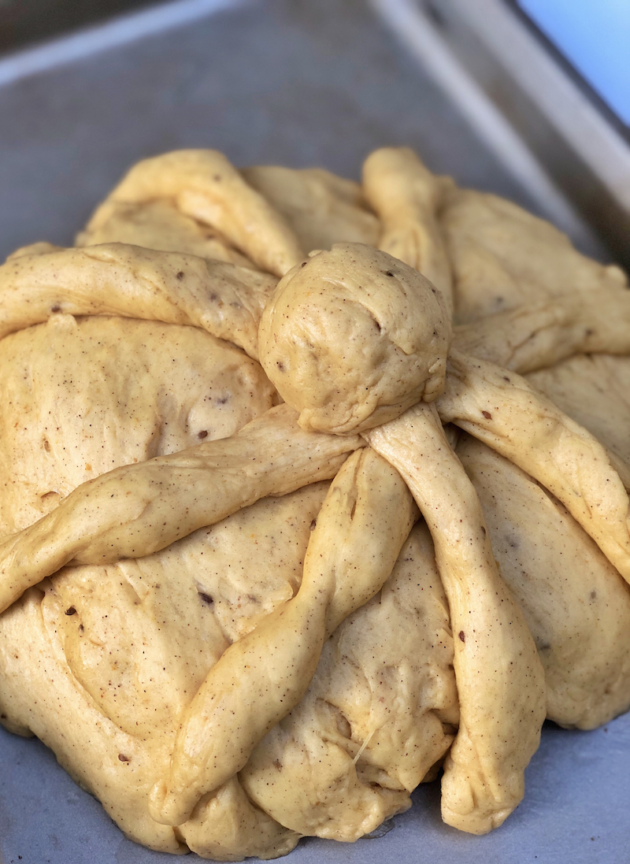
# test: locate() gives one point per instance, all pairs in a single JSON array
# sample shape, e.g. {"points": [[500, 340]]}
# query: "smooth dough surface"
{"points": [[69, 414], [576, 605], [594, 390], [116, 654], [538, 335], [353, 337], [131, 282], [365, 518], [320, 207], [504, 257], [160, 225], [408, 198], [139, 509], [503, 410], [500, 680], [205, 186]]}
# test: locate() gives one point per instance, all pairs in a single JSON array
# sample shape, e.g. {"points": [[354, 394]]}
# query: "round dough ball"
{"points": [[353, 337]]}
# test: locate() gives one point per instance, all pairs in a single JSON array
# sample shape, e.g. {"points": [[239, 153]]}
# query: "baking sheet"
{"points": [[575, 810], [295, 83]]}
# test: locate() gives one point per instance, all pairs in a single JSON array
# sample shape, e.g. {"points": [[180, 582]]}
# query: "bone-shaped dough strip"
{"points": [[500, 680], [206, 186], [116, 279], [364, 521], [506, 413], [407, 197], [535, 336], [139, 509]]}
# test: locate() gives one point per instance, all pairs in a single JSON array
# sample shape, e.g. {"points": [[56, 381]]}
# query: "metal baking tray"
{"points": [[293, 82]]}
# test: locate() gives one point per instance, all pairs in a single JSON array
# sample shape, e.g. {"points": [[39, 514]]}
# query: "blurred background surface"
{"points": [[481, 90], [87, 88], [23, 22]]}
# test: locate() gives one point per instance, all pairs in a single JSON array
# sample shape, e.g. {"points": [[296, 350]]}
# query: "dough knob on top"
{"points": [[353, 337]]}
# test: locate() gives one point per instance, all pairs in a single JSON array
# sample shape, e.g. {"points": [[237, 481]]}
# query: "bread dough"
{"points": [[503, 257], [500, 680], [504, 411], [352, 338], [576, 605], [209, 634], [378, 714], [206, 187], [160, 225], [128, 281], [320, 207], [66, 421]]}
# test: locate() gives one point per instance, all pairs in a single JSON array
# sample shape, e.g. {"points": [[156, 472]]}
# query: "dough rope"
{"points": [[505, 412], [500, 680], [138, 509], [540, 335], [204, 185], [116, 279]]}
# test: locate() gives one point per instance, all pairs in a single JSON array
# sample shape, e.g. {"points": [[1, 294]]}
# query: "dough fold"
{"points": [[160, 225], [576, 605], [503, 257], [321, 208], [540, 335]]}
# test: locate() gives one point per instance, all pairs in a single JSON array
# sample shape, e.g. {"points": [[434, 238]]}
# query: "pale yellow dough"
{"points": [[203, 185], [408, 199], [160, 225], [129, 281], [576, 605], [352, 338], [538, 335], [505, 412], [500, 680], [216, 608], [595, 391], [364, 521], [67, 421], [321, 208], [122, 683], [503, 257], [379, 713]]}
